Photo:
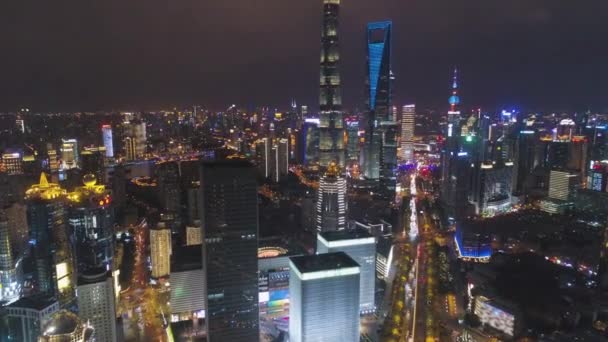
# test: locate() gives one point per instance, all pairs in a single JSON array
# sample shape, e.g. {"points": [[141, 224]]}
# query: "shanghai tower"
{"points": [[331, 128]]}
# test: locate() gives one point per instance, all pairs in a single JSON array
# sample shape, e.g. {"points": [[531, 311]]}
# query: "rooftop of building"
{"points": [[323, 262], [38, 302], [345, 235], [45, 190], [187, 258], [90, 192], [93, 275]]}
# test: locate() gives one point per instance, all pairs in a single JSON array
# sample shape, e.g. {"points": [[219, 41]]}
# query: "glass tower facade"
{"points": [[331, 125], [361, 247], [50, 244], [91, 217], [324, 298], [380, 127], [230, 222]]}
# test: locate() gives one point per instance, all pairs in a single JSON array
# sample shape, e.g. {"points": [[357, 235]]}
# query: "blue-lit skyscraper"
{"points": [[106, 132], [380, 127], [331, 126]]}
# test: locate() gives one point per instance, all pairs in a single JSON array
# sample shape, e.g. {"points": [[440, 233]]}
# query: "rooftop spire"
{"points": [[454, 100], [44, 183]]}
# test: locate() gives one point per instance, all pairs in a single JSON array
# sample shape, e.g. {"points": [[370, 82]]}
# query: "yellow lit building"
{"points": [[160, 250]]}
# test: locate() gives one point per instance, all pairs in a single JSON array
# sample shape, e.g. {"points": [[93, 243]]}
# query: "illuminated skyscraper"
{"points": [[562, 188], [12, 162], [310, 147], [96, 303], [230, 245], [331, 200], [92, 162], [331, 126], [91, 219], [106, 132], [187, 284], [361, 247], [454, 100], [135, 139], [281, 159], [408, 115], [380, 128], [491, 187], [130, 148], [352, 147], [324, 298], [53, 161], [69, 153], [160, 250], [49, 240], [455, 164], [10, 271], [167, 173]]}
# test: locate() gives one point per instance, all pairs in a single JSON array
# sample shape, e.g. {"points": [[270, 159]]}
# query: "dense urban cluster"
{"points": [[306, 223]]}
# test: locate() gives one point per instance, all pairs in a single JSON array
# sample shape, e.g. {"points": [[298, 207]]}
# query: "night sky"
{"points": [[139, 54]]}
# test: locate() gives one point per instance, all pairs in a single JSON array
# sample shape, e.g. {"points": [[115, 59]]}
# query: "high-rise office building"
{"points": [[96, 303], [331, 125], [388, 160], [562, 185], [10, 270], [352, 138], [117, 182], [91, 219], [310, 147], [108, 143], [160, 250], [562, 188], [49, 241], [408, 116], [69, 153], [324, 298], [129, 144], [194, 233], [135, 139], [167, 173], [380, 128], [597, 177], [275, 158], [492, 187], [361, 247], [524, 161], [65, 326], [187, 285], [12, 162], [53, 160], [27, 316], [230, 219], [281, 159], [331, 200], [456, 182], [92, 160]]}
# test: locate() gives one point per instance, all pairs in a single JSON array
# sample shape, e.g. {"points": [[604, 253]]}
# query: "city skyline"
{"points": [[217, 194], [516, 54]]}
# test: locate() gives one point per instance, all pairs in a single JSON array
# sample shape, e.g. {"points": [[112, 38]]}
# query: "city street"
{"points": [[139, 302]]}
